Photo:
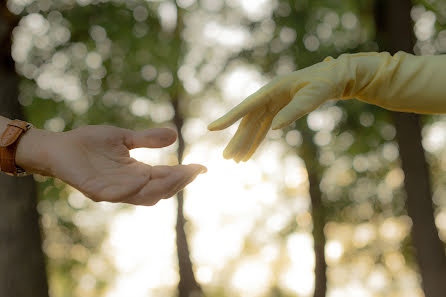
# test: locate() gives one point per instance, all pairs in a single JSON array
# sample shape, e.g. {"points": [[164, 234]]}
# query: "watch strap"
{"points": [[8, 146]]}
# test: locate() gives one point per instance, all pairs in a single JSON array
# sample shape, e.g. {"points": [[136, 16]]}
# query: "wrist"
{"points": [[34, 151], [358, 72]]}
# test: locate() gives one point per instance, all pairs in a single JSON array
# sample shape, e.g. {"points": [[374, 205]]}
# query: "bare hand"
{"points": [[96, 161]]}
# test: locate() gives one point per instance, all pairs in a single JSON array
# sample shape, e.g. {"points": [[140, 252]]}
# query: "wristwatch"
{"points": [[8, 146]]}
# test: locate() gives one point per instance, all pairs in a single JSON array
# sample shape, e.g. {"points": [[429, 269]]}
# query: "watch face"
{"points": [[20, 171], [22, 174], [17, 173]]}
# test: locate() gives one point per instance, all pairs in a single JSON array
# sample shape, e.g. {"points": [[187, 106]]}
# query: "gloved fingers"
{"points": [[261, 134], [254, 101], [245, 132], [304, 101], [240, 153]]}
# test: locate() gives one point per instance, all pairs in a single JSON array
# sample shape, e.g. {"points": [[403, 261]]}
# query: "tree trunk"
{"points": [[22, 266], [188, 286], [394, 27], [309, 150]]}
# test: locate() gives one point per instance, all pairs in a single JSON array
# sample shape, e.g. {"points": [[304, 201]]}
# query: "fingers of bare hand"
{"points": [[161, 171], [166, 181], [150, 138]]}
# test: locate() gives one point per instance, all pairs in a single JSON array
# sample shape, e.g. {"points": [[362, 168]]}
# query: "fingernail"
{"points": [[226, 154], [211, 126], [200, 168]]}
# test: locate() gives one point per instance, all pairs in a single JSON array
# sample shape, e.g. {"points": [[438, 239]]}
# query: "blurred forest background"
{"points": [[348, 201]]}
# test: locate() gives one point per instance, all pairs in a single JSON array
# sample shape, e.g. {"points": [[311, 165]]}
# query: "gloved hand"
{"points": [[402, 82]]}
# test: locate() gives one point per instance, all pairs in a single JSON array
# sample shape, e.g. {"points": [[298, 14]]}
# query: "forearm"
{"points": [[33, 149], [401, 82]]}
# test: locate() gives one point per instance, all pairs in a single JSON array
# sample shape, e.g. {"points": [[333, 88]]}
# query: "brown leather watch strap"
{"points": [[8, 146]]}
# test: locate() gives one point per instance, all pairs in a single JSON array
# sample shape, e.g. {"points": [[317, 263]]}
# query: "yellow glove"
{"points": [[402, 82]]}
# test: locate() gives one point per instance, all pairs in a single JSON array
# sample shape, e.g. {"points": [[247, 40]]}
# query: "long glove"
{"points": [[402, 82]]}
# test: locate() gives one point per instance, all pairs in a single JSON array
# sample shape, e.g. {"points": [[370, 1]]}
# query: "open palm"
{"points": [[96, 161]]}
